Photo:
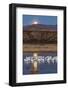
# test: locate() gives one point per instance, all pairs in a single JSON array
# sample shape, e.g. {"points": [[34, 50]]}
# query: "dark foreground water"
{"points": [[43, 67]]}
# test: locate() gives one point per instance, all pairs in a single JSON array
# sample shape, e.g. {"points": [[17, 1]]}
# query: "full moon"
{"points": [[35, 22]]}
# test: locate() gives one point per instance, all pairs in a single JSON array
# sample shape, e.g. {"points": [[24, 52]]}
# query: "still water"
{"points": [[46, 67]]}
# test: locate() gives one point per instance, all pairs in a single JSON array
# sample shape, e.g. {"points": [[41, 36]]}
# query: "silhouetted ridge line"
{"points": [[40, 26]]}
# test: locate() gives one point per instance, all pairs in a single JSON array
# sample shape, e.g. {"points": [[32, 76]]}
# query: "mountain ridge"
{"points": [[40, 26]]}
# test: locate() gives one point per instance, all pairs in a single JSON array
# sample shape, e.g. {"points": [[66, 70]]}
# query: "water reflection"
{"points": [[46, 63]]}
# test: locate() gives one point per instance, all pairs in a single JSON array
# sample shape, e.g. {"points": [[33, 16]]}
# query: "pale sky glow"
{"points": [[36, 19], [35, 22]]}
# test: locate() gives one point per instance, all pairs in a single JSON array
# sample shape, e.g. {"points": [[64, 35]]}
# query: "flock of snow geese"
{"points": [[41, 59]]}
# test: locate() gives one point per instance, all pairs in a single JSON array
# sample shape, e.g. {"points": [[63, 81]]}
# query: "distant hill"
{"points": [[40, 27]]}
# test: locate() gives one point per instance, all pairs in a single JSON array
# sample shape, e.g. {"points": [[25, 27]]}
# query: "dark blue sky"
{"points": [[47, 20]]}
